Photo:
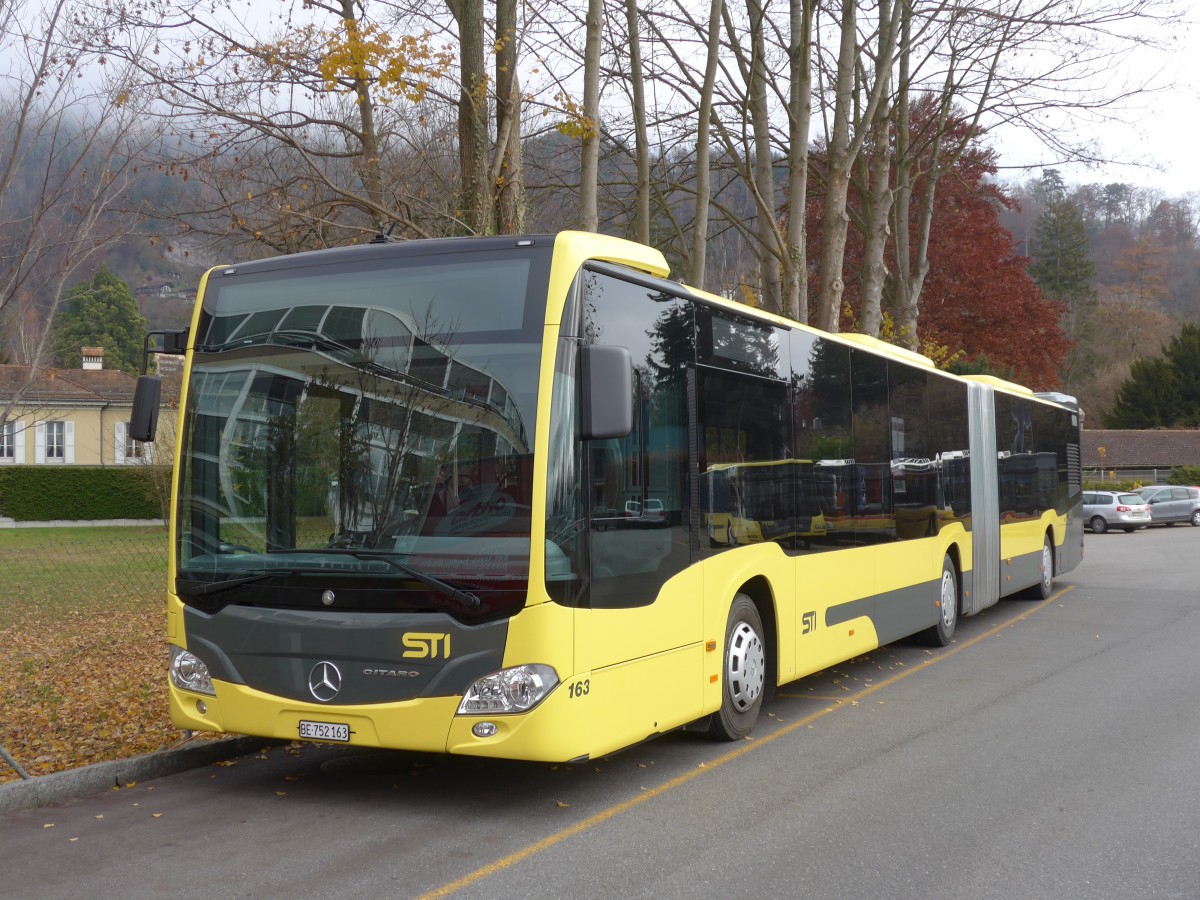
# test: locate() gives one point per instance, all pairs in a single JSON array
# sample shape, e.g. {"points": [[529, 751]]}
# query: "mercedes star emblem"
{"points": [[324, 681]]}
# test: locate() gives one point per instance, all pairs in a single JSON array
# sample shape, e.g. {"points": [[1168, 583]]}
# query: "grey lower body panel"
{"points": [[895, 614], [1021, 572]]}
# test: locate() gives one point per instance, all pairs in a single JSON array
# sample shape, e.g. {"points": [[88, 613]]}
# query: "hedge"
{"points": [[44, 493], [1185, 475]]}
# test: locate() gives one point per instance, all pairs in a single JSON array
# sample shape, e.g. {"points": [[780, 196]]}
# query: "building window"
{"points": [[8, 442], [128, 451], [56, 441]]}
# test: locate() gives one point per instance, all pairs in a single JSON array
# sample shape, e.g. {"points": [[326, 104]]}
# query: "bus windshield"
{"points": [[369, 422]]}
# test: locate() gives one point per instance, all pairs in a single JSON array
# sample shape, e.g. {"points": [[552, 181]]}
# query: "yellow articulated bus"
{"points": [[454, 496]]}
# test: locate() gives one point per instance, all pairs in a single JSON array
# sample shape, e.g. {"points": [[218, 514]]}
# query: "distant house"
{"points": [[1139, 455], [155, 287], [69, 416]]}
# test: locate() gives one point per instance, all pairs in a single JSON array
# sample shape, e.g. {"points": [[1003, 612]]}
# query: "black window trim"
{"points": [[680, 292]]}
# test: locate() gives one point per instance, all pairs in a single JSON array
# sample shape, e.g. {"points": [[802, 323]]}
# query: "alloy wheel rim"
{"points": [[747, 668], [949, 600]]}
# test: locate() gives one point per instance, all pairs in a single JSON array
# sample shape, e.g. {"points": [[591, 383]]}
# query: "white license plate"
{"points": [[324, 731]]}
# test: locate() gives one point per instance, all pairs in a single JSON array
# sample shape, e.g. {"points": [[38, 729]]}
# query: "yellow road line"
{"points": [[592, 821]]}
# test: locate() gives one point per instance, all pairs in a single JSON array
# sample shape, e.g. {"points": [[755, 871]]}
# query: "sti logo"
{"points": [[426, 645], [809, 623]]}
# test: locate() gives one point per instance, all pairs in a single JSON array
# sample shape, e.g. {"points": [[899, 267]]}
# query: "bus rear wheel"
{"points": [[943, 631], [744, 672], [1045, 586]]}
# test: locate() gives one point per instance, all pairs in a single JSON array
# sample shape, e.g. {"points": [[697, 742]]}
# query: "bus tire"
{"points": [[743, 672], [1045, 586], [942, 633]]}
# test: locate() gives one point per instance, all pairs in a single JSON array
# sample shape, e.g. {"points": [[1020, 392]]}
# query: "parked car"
{"points": [[652, 515], [1170, 504], [1103, 510]]}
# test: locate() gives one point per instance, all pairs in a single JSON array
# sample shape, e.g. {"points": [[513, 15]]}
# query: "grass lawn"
{"points": [[83, 646], [54, 573]]}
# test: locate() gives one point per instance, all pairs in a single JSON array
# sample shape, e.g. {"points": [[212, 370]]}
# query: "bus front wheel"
{"points": [[744, 672]]}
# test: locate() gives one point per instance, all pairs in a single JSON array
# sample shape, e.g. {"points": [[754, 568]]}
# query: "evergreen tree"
{"points": [[100, 313], [1162, 391], [1061, 265], [1062, 268]]}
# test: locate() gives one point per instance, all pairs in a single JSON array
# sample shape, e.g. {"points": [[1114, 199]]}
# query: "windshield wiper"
{"points": [[197, 588], [446, 589]]}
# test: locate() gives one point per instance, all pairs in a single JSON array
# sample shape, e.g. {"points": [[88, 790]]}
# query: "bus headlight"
{"points": [[189, 672], [513, 690]]}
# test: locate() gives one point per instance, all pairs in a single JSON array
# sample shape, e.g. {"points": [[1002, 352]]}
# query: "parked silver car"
{"points": [[1103, 510], [1170, 504]]}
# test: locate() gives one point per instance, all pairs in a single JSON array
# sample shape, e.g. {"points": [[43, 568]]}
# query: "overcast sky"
{"points": [[1159, 139]]}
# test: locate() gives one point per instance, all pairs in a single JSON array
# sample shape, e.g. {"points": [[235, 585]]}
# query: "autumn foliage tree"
{"points": [[978, 303], [979, 300]]}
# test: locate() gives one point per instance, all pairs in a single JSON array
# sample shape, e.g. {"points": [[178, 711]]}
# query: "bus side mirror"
{"points": [[143, 421], [607, 392]]}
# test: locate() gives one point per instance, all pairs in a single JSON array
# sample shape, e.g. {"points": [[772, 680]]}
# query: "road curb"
{"points": [[75, 784]]}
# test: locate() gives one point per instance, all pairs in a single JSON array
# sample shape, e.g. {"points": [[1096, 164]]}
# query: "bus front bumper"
{"points": [[547, 733]]}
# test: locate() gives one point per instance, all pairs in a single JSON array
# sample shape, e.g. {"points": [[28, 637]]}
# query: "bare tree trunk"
{"points": [[843, 151], [908, 293], [473, 135], [368, 164], [877, 208], [877, 214], [912, 263], [699, 261], [510, 177], [641, 140], [839, 159], [589, 168], [771, 288], [795, 264], [68, 152]]}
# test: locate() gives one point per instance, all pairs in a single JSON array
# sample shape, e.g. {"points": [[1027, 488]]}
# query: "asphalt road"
{"points": [[1050, 752]]}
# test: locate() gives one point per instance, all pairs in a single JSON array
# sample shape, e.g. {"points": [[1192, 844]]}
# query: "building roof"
{"points": [[50, 387], [1150, 448]]}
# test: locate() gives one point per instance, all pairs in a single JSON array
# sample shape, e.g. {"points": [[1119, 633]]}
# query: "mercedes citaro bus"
{"points": [[453, 496]]}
